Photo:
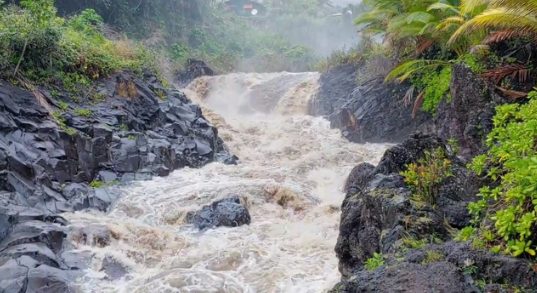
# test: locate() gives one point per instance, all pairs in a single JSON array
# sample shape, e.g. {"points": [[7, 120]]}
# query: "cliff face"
{"points": [[380, 214], [60, 156], [468, 116], [373, 112]]}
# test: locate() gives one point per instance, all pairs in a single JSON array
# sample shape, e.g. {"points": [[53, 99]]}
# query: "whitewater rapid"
{"points": [[290, 176]]}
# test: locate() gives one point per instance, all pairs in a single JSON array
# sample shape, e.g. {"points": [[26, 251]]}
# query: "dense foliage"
{"points": [[426, 37], [203, 29], [53, 50], [506, 214], [495, 38]]}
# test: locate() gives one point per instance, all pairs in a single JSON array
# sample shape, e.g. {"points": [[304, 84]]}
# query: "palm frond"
{"points": [[507, 34], [473, 7], [417, 104], [512, 93], [529, 5], [498, 74], [423, 45], [500, 18], [419, 16], [407, 98], [407, 68], [443, 7]]}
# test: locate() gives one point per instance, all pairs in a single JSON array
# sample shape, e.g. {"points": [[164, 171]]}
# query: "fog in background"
{"points": [[324, 33], [346, 2]]}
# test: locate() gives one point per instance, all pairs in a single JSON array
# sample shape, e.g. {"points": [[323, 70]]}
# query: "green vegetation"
{"points": [[70, 52], [83, 112], [51, 50], [374, 262], [203, 29], [100, 184], [505, 216], [61, 123], [64, 106], [432, 256], [426, 37], [426, 177]]}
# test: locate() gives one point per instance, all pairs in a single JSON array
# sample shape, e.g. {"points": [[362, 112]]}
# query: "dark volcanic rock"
{"points": [[228, 212], [379, 214], [113, 269], [457, 268], [128, 132], [194, 69], [468, 117], [373, 112]]}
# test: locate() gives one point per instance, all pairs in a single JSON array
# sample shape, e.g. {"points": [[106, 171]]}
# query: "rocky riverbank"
{"points": [[60, 153], [413, 241], [412, 244]]}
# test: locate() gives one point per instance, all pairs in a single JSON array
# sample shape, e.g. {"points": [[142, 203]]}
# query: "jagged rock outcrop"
{"points": [[373, 112], [228, 212], [125, 128], [380, 215], [467, 117]]}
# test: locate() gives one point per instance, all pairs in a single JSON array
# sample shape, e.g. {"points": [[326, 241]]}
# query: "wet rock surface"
{"points": [[378, 112], [380, 215], [126, 128], [228, 212], [468, 116], [194, 69], [373, 112]]}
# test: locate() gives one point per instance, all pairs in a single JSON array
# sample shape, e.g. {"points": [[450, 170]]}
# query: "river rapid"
{"points": [[291, 175]]}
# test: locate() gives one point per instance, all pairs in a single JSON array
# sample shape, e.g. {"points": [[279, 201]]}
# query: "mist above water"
{"points": [[290, 177]]}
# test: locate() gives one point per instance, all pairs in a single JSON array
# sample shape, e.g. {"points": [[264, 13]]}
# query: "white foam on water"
{"points": [[290, 177]]}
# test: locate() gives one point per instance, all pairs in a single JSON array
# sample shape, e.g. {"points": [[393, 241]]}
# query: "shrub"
{"points": [[506, 213], [374, 262], [426, 177]]}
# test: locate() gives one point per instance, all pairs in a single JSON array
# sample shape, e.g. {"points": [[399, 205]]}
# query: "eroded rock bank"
{"points": [[412, 240], [390, 241], [377, 112], [60, 153], [373, 112]]}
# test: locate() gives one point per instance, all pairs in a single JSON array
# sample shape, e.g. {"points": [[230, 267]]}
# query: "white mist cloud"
{"points": [[346, 2]]}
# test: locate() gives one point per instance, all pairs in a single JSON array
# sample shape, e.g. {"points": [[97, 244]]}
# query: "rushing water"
{"points": [[291, 173]]}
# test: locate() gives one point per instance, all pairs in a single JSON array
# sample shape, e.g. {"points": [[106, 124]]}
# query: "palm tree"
{"points": [[506, 18]]}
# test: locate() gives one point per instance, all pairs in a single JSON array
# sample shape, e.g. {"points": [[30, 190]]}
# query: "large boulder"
{"points": [[228, 212], [380, 214]]}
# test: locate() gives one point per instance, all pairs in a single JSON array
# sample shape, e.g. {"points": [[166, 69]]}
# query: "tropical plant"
{"points": [[426, 177], [509, 208], [504, 18]]}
